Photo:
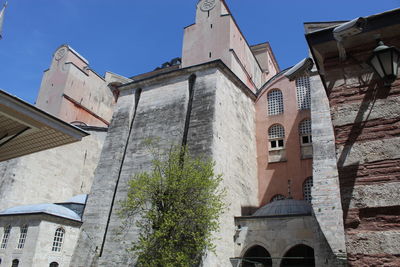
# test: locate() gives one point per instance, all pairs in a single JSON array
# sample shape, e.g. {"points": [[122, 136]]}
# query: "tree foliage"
{"points": [[176, 207]]}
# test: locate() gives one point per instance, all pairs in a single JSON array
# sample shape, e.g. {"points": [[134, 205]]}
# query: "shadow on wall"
{"points": [[248, 210], [349, 134]]}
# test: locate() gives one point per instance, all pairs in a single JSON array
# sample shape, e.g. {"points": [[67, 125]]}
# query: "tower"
{"points": [[73, 92], [222, 122]]}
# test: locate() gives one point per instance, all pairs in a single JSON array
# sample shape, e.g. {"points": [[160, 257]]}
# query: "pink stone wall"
{"points": [[273, 177], [215, 35], [72, 91]]}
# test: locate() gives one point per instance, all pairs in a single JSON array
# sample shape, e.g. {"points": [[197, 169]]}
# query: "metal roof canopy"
{"points": [[25, 129]]}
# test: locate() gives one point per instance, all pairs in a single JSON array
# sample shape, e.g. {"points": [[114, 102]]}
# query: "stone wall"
{"points": [[101, 195], [221, 126], [160, 116], [52, 175], [366, 119], [326, 199], [234, 151]]}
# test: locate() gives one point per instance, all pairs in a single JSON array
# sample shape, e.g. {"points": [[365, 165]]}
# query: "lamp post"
{"points": [[385, 62]]}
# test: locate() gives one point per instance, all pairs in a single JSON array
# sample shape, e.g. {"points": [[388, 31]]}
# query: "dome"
{"points": [[51, 209], [284, 207]]}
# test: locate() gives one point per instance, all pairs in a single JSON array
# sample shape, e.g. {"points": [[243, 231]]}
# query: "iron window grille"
{"points": [[308, 183], [275, 102], [303, 93], [305, 132]]}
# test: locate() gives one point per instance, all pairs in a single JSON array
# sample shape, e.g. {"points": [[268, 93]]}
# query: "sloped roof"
{"points": [[51, 209]]}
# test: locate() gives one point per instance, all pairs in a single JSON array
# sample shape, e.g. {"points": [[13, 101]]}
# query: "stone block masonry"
{"points": [[231, 133], [366, 124], [326, 199], [101, 196], [221, 126], [160, 116], [52, 175]]}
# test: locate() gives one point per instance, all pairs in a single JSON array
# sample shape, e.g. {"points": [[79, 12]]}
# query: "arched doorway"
{"points": [[257, 256], [299, 256]]}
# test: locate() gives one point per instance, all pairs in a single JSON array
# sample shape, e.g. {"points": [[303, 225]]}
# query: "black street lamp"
{"points": [[385, 62]]}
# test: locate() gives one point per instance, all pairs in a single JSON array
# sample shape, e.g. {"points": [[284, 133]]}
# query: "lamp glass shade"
{"points": [[385, 61], [377, 66], [386, 58], [396, 57]]}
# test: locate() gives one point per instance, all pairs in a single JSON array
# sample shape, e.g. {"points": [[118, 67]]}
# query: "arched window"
{"points": [[15, 263], [305, 132], [275, 102], [22, 237], [300, 255], [303, 93], [53, 264], [58, 239], [277, 197], [276, 135], [308, 183], [6, 236], [257, 256]]}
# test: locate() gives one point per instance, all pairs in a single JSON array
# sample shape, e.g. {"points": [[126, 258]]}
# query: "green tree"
{"points": [[176, 207]]}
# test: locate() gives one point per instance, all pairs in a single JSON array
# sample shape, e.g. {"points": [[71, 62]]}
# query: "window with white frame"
{"points": [[276, 136], [305, 132], [277, 197], [303, 93], [22, 237], [275, 102], [58, 239], [6, 236], [308, 183]]}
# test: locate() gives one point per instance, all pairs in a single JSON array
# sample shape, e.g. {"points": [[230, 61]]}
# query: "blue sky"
{"points": [[130, 37]]}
